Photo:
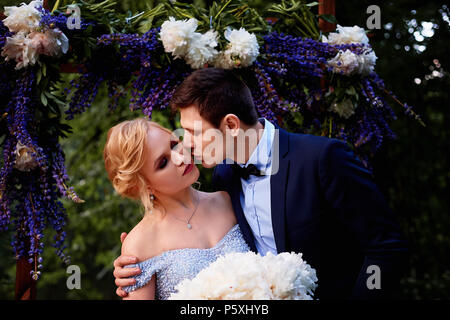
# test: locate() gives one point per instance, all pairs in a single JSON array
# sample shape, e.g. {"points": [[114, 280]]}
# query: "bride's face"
{"points": [[165, 167]]}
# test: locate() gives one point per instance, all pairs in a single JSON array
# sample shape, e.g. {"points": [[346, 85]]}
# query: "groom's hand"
{"points": [[123, 275]]}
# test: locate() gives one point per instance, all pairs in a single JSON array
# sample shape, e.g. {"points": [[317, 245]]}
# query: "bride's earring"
{"points": [[152, 197], [198, 185]]}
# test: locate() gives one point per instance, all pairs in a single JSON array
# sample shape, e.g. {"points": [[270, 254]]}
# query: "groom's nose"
{"points": [[188, 141]]}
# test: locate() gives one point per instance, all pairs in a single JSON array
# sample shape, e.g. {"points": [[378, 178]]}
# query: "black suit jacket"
{"points": [[325, 204]]}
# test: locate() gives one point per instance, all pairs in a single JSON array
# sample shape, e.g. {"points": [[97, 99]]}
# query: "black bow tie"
{"points": [[245, 172]]}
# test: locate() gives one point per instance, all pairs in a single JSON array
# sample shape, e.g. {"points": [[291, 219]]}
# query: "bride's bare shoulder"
{"points": [[141, 241], [220, 202], [217, 198]]}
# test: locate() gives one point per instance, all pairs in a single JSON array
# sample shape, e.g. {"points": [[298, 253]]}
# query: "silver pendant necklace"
{"points": [[189, 226]]}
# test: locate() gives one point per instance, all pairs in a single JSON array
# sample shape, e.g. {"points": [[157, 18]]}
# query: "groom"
{"points": [[291, 192]]}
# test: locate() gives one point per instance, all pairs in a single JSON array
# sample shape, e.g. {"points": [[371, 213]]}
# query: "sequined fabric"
{"points": [[173, 266]]}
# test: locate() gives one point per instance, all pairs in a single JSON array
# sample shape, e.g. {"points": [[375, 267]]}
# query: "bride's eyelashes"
{"points": [[164, 161], [173, 144]]}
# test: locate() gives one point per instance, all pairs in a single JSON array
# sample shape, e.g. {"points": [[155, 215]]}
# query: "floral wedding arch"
{"points": [[299, 77]]}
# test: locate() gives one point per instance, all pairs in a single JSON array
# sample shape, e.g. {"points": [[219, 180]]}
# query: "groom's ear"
{"points": [[230, 123]]}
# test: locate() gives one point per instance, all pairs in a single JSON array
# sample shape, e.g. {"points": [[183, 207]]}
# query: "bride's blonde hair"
{"points": [[124, 158]]}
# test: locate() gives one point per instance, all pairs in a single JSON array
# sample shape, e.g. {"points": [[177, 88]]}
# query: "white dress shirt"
{"points": [[255, 196]]}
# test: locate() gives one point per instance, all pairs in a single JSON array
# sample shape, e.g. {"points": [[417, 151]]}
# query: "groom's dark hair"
{"points": [[216, 93]]}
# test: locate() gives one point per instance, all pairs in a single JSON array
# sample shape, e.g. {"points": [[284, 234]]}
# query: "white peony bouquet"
{"points": [[250, 276], [179, 37], [347, 62], [29, 39]]}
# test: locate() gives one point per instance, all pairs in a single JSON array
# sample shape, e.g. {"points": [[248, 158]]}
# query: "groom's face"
{"points": [[201, 137]]}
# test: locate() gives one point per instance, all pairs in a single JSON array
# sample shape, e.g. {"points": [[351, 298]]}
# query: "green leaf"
{"points": [[305, 90], [54, 98], [44, 99], [328, 18], [56, 6], [351, 91], [145, 25], [39, 76]]}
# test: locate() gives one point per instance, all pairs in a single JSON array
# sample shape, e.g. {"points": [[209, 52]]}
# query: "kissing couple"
{"points": [[276, 192]]}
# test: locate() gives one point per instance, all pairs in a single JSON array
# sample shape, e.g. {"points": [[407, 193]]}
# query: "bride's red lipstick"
{"points": [[188, 169]]}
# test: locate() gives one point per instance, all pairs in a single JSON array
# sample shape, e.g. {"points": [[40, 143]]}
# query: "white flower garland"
{"points": [[180, 39]]}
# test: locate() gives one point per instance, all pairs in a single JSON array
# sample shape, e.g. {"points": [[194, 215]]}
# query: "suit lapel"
{"points": [[243, 224], [278, 185]]}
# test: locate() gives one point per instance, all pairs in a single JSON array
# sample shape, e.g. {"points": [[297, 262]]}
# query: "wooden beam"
{"points": [[327, 7], [25, 288]]}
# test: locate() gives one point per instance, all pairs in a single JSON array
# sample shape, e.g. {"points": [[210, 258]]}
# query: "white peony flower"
{"points": [[290, 277], [24, 18], [344, 108], [347, 35], [177, 34], [350, 63], [367, 62], [52, 42], [201, 49], [345, 61], [242, 50], [20, 49], [24, 160], [249, 276]]}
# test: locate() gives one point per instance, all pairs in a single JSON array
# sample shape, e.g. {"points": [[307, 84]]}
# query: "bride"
{"points": [[182, 230]]}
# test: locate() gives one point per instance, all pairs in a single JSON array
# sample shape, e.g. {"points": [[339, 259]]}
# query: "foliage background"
{"points": [[412, 172]]}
